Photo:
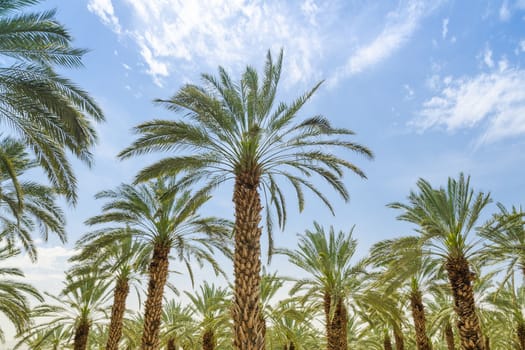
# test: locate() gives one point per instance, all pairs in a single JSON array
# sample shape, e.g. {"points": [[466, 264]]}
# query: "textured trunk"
{"points": [[459, 277], [449, 337], [171, 344], [81, 335], [208, 340], [291, 346], [248, 322], [487, 343], [158, 273], [117, 313], [399, 339], [336, 326], [387, 343], [418, 314], [520, 332]]}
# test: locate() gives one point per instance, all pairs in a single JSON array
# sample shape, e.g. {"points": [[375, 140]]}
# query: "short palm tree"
{"points": [[124, 261], [26, 206], [49, 112], [14, 295], [179, 327], [164, 215], [210, 306], [445, 217], [80, 305], [236, 131], [405, 268], [327, 258]]}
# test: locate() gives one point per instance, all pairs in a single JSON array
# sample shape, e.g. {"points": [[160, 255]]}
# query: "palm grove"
{"points": [[455, 282]]}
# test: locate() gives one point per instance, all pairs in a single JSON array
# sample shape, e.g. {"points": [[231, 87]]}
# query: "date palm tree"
{"points": [[406, 269], [125, 262], [47, 111], [445, 217], [236, 131], [164, 215], [14, 294], [210, 305], [26, 206], [79, 306], [179, 327], [505, 241], [327, 258]]}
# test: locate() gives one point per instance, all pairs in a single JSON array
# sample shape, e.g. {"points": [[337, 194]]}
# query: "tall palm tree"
{"points": [[164, 215], [327, 257], [445, 218], [50, 113], [236, 131], [124, 262], [14, 294], [79, 306], [26, 206], [210, 304]]}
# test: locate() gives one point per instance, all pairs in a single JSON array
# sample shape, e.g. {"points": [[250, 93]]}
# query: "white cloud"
{"points": [[444, 28], [409, 92], [522, 46], [104, 10], [399, 27], [495, 101], [504, 11]]}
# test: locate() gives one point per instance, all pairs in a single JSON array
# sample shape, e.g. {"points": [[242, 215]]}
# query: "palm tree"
{"points": [[14, 295], [505, 240], [445, 217], [236, 131], [179, 327], [164, 215], [210, 304], [49, 112], [26, 206], [404, 266], [79, 306], [327, 257], [124, 262]]}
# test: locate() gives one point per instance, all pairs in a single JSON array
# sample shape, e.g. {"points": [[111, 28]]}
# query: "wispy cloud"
{"points": [[399, 27], [444, 28], [174, 37], [493, 101], [504, 11], [104, 9]]}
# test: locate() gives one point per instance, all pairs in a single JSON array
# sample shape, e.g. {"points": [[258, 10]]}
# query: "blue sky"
{"points": [[432, 87]]}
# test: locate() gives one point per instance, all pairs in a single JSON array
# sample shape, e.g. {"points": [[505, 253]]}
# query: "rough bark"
{"points": [[449, 337], [520, 332], [459, 276], [336, 326], [158, 273], [81, 335], [171, 344], [248, 322], [387, 343], [399, 340], [487, 343], [418, 315], [208, 340], [117, 313]]}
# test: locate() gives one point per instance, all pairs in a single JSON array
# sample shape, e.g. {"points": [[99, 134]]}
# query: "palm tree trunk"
{"points": [[459, 277], [158, 273], [387, 343], [117, 313], [339, 327], [208, 340], [418, 314], [487, 343], [449, 337], [81, 335], [171, 344], [248, 322], [328, 321], [399, 339], [520, 331]]}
